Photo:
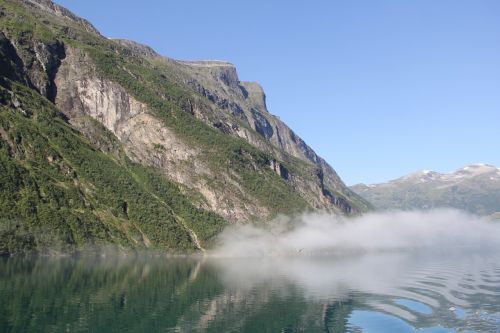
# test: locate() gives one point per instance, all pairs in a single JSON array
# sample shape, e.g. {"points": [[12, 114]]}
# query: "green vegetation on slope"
{"points": [[155, 86], [65, 189], [59, 190]]}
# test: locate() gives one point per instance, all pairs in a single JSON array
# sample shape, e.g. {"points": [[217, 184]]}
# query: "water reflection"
{"points": [[400, 292]]}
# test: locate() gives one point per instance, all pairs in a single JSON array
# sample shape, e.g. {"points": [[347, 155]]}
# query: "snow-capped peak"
{"points": [[476, 169], [445, 179]]}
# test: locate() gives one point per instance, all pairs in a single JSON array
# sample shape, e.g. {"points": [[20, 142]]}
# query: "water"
{"points": [[395, 292]]}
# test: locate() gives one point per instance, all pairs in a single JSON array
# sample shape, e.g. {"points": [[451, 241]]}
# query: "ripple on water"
{"points": [[378, 322], [372, 293], [414, 306]]}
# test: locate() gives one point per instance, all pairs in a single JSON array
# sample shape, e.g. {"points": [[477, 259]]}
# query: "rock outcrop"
{"points": [[243, 106], [59, 12]]}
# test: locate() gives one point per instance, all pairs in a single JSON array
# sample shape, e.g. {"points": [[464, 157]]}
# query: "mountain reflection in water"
{"points": [[396, 292]]}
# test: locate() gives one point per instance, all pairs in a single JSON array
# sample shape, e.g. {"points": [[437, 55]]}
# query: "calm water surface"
{"points": [[370, 293]]}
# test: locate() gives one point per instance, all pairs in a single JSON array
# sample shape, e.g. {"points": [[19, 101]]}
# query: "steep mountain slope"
{"points": [[129, 147], [475, 188]]}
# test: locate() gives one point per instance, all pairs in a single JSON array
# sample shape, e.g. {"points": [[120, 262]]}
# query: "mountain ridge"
{"points": [[473, 187]]}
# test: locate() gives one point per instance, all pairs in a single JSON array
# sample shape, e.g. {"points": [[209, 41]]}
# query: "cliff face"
{"points": [[82, 91], [191, 126], [239, 109]]}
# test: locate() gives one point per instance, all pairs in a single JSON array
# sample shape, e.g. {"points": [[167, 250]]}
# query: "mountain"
{"points": [[475, 188], [105, 141]]}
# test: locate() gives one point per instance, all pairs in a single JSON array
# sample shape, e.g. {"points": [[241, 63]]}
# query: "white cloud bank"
{"points": [[323, 234]]}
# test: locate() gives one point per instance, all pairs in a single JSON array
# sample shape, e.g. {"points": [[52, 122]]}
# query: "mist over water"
{"points": [[425, 271], [323, 234], [433, 272], [382, 292]]}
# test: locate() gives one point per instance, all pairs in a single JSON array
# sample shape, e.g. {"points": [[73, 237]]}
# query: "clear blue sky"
{"points": [[378, 88]]}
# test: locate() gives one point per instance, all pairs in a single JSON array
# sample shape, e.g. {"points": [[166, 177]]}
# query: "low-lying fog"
{"points": [[320, 254], [323, 234]]}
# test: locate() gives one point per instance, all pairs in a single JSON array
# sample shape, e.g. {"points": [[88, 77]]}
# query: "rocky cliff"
{"points": [[188, 135]]}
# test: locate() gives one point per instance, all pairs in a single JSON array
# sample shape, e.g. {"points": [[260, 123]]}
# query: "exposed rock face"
{"points": [[137, 48], [61, 12], [245, 103], [11, 65], [280, 169], [82, 91], [39, 62], [261, 124]]}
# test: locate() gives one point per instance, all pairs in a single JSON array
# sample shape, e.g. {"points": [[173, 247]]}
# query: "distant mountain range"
{"points": [[475, 188]]}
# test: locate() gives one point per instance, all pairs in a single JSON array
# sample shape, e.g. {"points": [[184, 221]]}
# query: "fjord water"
{"points": [[385, 292]]}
